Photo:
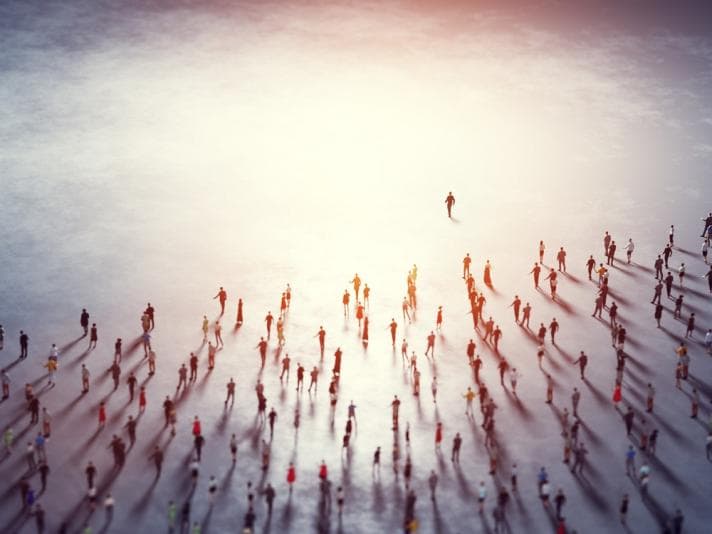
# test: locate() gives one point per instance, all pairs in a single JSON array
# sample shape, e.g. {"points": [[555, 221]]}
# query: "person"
{"points": [[239, 319], [469, 396], [395, 405], [690, 325], [611, 253], [24, 343], [535, 272], [51, 366], [405, 305], [526, 314], [552, 283], [582, 361], [8, 438], [367, 296], [481, 496], [513, 379], [269, 494], [291, 476], [6, 381], [658, 313], [438, 321], [549, 389], [151, 312], [182, 377], [44, 472], [559, 501], [357, 285], [466, 261], [431, 344], [617, 396], [516, 304], [487, 277], [172, 510], [590, 264], [644, 478], [218, 334], [432, 483], [541, 334], [345, 301], [681, 273], [230, 391], [84, 321], [205, 328], [456, 446], [708, 275], [314, 375], [151, 362], [450, 202], [438, 435], [669, 279], [102, 414], [198, 442], [542, 249], [561, 259], [630, 460], [659, 268], [222, 296], [130, 426], [109, 503], [629, 248], [553, 329], [650, 398], [321, 334]]}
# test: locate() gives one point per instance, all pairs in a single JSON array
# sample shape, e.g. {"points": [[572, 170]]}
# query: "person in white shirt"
{"points": [[109, 506], [629, 248], [708, 341]]}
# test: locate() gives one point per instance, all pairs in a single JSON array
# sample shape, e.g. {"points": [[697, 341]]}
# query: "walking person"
{"points": [[432, 483], [24, 344], [549, 389], [222, 297], [291, 476], [629, 248], [239, 319], [536, 270], [582, 361], [218, 334], [575, 399], [449, 202], [561, 259], [623, 509], [93, 336]]}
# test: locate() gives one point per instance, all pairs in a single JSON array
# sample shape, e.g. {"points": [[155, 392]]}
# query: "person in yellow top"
{"points": [[601, 271], [51, 366], [469, 397], [206, 327]]}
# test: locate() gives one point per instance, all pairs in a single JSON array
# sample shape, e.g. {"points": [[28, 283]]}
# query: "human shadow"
{"points": [[565, 306]]}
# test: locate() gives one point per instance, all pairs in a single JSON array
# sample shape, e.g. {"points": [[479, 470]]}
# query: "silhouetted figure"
{"points": [[450, 202]]}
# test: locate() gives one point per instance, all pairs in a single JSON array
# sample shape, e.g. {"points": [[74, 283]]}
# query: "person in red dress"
{"points": [[291, 476], [196, 426], [102, 414], [617, 394], [142, 399], [438, 435]]}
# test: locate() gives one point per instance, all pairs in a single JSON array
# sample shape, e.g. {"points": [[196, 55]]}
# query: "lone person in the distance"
{"points": [[450, 201]]}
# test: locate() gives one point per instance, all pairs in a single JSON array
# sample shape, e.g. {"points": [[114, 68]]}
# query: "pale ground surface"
{"points": [[157, 154]]}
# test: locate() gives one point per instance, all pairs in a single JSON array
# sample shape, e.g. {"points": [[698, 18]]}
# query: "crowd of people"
{"points": [[486, 330]]}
